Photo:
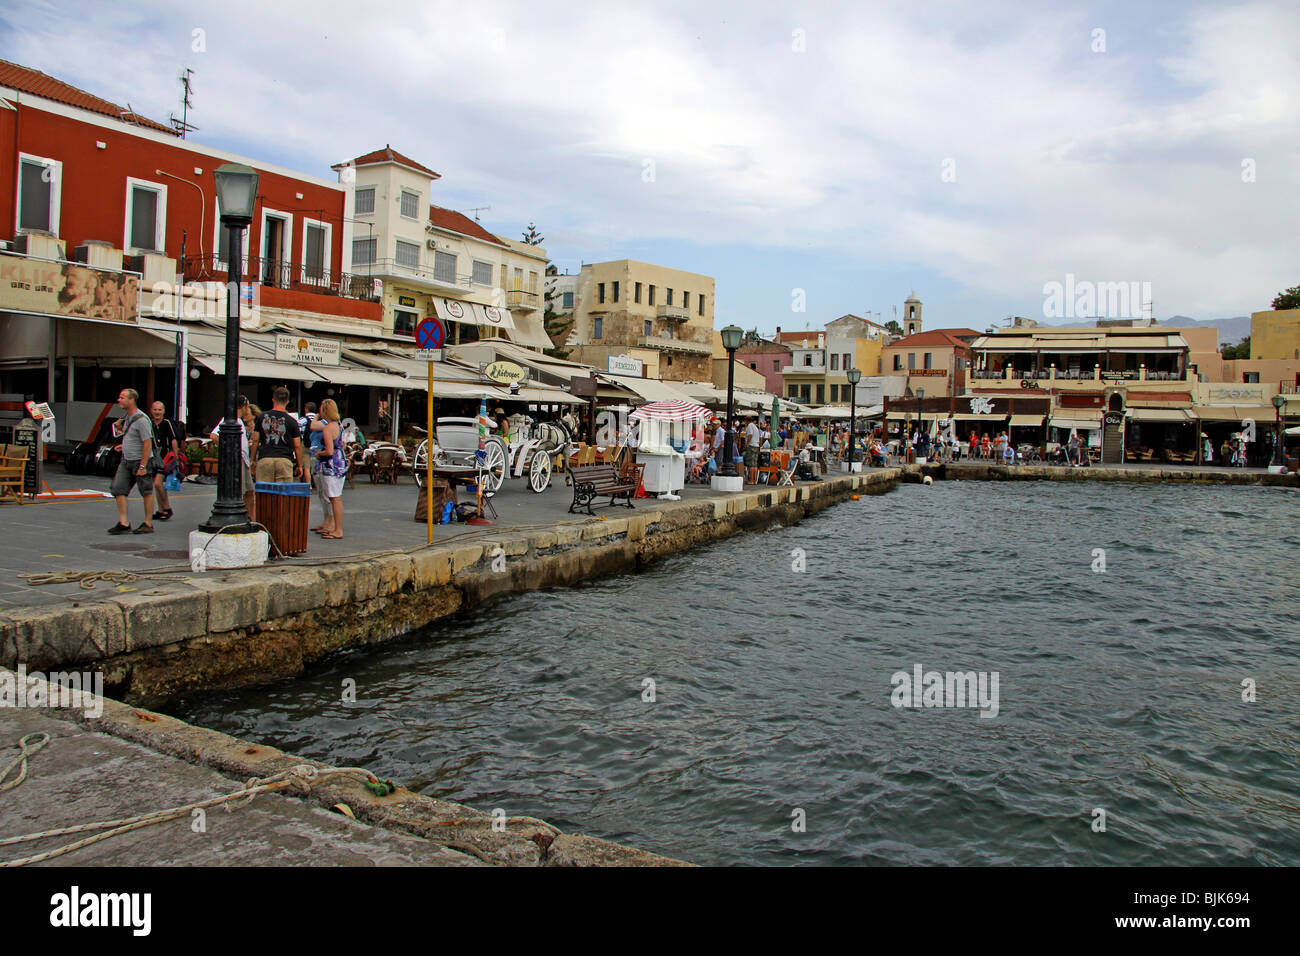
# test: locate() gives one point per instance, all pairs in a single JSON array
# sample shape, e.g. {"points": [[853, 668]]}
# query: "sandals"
{"points": [[163, 515]]}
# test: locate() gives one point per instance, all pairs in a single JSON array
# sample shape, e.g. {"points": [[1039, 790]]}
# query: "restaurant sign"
{"points": [[625, 365], [48, 287], [504, 373], [981, 406], [305, 351]]}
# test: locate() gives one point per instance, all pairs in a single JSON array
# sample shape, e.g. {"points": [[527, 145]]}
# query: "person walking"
{"points": [[247, 449], [167, 441], [135, 470], [331, 469], [279, 451], [753, 438]]}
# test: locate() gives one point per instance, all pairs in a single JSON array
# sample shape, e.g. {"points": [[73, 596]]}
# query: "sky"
{"points": [[837, 156]]}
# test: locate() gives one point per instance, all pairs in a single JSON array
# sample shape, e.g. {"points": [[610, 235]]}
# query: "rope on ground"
{"points": [[86, 579], [301, 776], [26, 748]]}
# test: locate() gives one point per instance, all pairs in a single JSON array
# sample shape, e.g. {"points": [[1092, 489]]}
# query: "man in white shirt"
{"points": [[753, 439]]}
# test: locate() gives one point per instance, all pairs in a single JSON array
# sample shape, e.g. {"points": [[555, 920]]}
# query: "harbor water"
{"points": [[737, 704]]}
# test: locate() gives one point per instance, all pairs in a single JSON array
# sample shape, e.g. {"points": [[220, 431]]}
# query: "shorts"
{"points": [[751, 457], [246, 478], [275, 469], [330, 486], [125, 478]]}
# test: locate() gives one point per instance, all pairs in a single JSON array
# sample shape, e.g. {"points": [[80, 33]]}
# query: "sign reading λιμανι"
{"points": [[305, 351]]}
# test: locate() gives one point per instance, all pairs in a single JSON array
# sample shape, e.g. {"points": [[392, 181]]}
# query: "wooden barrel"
{"points": [[284, 508]]}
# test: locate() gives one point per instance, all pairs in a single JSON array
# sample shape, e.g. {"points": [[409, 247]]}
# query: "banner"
{"points": [[68, 289]]}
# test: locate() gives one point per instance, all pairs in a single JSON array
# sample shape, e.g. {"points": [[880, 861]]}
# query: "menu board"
{"points": [[30, 437]]}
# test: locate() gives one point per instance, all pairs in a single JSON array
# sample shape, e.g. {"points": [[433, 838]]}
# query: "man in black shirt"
{"points": [[166, 436], [279, 448]]}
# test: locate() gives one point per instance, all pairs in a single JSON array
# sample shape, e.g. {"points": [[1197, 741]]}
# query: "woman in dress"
{"points": [[331, 469]]}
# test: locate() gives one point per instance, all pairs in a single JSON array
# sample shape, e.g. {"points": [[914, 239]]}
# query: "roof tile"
{"points": [[26, 80]]}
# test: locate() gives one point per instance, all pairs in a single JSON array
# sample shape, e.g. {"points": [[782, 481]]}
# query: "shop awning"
{"points": [[1026, 421], [1170, 415], [259, 368], [1090, 424], [473, 313], [1235, 413], [970, 417], [529, 333], [653, 390]]}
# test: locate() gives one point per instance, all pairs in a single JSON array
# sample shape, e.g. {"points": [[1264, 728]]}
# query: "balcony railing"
{"points": [[674, 313], [520, 299], [671, 344], [1076, 375], [280, 274]]}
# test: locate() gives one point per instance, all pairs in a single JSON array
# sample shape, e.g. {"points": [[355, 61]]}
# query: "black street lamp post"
{"points": [[731, 337], [236, 194], [920, 412], [854, 375], [1278, 457]]}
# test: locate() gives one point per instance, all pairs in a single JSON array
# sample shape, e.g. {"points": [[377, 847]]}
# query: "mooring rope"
{"points": [[302, 776], [25, 750]]}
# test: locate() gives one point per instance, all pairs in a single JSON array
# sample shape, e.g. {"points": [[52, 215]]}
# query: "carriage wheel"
{"points": [[421, 463], [494, 469], [539, 472]]}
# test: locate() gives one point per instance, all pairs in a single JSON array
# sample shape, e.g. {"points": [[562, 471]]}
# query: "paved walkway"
{"points": [[82, 776]]}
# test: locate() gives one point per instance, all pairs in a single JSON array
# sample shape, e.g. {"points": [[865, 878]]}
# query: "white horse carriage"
{"points": [[532, 453]]}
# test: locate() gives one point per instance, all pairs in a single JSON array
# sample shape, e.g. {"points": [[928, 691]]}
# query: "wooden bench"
{"points": [[595, 481]]}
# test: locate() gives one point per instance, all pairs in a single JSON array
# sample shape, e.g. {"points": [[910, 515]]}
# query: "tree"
{"points": [[532, 236], [893, 327], [1290, 299], [1239, 351]]}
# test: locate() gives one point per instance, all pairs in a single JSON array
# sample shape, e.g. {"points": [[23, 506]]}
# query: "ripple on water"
{"points": [[1118, 690]]}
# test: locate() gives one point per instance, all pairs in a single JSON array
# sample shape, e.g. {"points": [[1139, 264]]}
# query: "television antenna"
{"points": [[476, 210], [182, 125]]}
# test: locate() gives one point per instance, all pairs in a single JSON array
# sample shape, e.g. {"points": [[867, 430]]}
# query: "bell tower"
{"points": [[911, 314]]}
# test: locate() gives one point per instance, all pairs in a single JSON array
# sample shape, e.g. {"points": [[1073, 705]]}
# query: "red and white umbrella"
{"points": [[671, 411]]}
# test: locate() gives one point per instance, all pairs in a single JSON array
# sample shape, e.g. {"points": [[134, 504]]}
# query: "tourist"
{"points": [[753, 438], [247, 446], [135, 470], [719, 436], [166, 441], [331, 469], [279, 441], [986, 447], [974, 445], [307, 417]]}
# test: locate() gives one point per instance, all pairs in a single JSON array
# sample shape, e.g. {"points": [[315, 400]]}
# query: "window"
{"points": [[652, 295], [911, 360], [444, 267], [699, 301], [686, 300], [794, 392], [807, 358], [482, 272], [404, 322], [410, 204], [927, 362], [636, 292], [568, 300], [365, 201], [848, 361], [805, 392], [835, 362], [597, 326], [615, 290], [146, 215], [363, 252], [518, 284], [754, 366], [821, 394], [600, 292], [835, 394], [670, 297], [649, 328], [38, 194], [776, 365], [898, 362], [315, 250], [408, 255], [532, 283]]}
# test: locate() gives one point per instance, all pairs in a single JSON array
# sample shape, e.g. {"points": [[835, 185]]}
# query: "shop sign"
{"points": [[1114, 418], [67, 288], [981, 406], [495, 315], [1236, 394], [625, 365], [1028, 383], [1130, 376], [406, 300], [504, 373], [304, 351]]}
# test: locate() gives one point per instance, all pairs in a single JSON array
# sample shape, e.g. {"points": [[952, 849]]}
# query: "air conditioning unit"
{"points": [[431, 243]]}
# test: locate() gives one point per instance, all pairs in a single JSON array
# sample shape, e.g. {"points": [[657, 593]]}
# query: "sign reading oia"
{"points": [[504, 373]]}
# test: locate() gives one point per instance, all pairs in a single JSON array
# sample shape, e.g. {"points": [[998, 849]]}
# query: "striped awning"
{"points": [[672, 411]]}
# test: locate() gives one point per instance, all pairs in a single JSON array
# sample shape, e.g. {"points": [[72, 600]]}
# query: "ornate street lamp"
{"points": [[920, 399], [236, 195], [731, 338], [1278, 458], [854, 375]]}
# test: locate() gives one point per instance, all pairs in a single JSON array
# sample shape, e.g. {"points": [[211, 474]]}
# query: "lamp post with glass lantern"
{"points": [[920, 401], [731, 338], [1279, 459], [236, 196], [854, 375]]}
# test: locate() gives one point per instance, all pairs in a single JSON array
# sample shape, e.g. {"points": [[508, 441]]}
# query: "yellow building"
{"points": [[1275, 334], [662, 316]]}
